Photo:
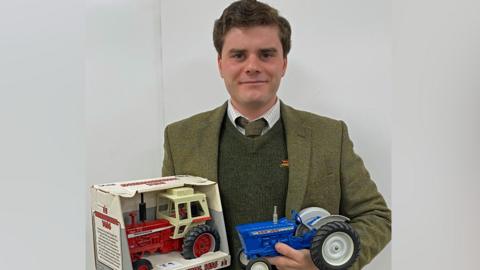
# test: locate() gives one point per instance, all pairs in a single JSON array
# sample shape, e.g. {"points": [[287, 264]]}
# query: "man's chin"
{"points": [[256, 104]]}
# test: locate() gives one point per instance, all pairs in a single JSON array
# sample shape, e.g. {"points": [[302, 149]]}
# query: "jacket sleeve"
{"points": [[363, 204], [168, 167]]}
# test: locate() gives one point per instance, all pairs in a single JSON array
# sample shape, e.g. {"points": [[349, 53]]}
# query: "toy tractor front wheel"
{"points": [[259, 264], [242, 258], [142, 264], [336, 246], [200, 240]]}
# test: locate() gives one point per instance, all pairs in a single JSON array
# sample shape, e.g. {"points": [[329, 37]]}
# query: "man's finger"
{"points": [[282, 262], [289, 252], [292, 258]]}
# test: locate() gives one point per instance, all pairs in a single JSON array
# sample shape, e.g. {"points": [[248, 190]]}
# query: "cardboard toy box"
{"points": [[172, 207]]}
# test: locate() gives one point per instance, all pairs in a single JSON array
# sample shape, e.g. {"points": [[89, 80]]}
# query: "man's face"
{"points": [[252, 66]]}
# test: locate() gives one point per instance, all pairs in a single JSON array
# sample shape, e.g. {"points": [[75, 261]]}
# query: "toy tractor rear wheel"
{"points": [[142, 264], [200, 240], [336, 246], [259, 264]]}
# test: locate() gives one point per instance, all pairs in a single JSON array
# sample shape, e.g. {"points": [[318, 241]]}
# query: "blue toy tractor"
{"points": [[331, 239]]}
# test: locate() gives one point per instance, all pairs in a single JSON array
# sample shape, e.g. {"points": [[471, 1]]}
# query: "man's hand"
{"points": [[292, 258]]}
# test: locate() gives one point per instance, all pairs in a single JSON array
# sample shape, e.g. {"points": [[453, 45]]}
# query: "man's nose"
{"points": [[253, 66]]}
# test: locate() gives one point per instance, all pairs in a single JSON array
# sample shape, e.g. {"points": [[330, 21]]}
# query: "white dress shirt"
{"points": [[272, 116]]}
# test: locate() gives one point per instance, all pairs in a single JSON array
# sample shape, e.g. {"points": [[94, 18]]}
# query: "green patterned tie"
{"points": [[252, 129]]}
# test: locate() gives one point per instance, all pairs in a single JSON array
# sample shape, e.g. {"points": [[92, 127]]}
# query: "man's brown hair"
{"points": [[249, 13]]}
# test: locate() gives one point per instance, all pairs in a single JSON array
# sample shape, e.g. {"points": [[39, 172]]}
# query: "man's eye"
{"points": [[237, 56], [267, 55]]}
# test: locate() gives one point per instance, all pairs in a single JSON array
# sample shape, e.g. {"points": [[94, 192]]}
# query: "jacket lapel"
{"points": [[208, 154], [298, 138]]}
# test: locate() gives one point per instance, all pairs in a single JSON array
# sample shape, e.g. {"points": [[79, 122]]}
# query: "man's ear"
{"points": [[285, 64], [219, 64]]}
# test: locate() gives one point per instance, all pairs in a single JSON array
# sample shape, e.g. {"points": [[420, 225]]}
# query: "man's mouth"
{"points": [[253, 82]]}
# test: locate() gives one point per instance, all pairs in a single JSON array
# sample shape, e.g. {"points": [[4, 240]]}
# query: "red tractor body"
{"points": [[148, 237]]}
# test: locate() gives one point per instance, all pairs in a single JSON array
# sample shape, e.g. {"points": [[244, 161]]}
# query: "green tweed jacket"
{"points": [[324, 170]]}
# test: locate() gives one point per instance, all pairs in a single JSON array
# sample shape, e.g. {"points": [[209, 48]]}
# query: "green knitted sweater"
{"points": [[251, 178]]}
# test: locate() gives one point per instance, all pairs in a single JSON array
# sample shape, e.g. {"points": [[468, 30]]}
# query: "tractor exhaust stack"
{"points": [[275, 216], [142, 209]]}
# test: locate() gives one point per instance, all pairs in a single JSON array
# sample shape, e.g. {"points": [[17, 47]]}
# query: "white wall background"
{"points": [[124, 101], [151, 63], [436, 134], [42, 135], [63, 129]]}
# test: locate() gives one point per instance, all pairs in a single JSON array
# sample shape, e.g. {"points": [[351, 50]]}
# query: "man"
{"points": [[264, 153]]}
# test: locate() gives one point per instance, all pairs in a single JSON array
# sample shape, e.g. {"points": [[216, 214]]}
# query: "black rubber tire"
{"points": [[259, 260], [138, 264], [322, 234], [193, 234]]}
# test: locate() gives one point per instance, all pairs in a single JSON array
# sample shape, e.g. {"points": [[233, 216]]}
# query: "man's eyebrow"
{"points": [[264, 50], [269, 50], [234, 51]]}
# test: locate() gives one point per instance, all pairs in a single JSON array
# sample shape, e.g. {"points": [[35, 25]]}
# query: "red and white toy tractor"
{"points": [[179, 225]]}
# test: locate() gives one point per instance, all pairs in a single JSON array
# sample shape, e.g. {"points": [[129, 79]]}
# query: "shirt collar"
{"points": [[272, 115]]}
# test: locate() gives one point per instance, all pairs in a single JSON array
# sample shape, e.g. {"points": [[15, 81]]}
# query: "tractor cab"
{"points": [[183, 208]]}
